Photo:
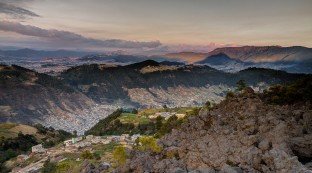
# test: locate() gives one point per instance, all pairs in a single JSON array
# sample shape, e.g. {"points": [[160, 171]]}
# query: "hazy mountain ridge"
{"points": [[291, 59], [266, 53], [31, 53]]}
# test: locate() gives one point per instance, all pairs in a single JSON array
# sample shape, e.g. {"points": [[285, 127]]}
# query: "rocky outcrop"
{"points": [[241, 134]]}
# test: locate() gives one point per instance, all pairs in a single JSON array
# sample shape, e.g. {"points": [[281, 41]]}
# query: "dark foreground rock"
{"points": [[241, 134]]}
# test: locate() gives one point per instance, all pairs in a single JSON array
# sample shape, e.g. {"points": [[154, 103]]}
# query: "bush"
{"points": [[97, 156], [241, 84], [49, 167], [120, 155], [87, 155], [230, 94], [63, 167], [148, 143], [207, 104], [299, 91]]}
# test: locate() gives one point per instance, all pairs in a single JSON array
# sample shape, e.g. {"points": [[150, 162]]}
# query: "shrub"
{"points": [[87, 155], [49, 167], [148, 143], [63, 166], [207, 104], [230, 94], [193, 112], [97, 156], [241, 84], [120, 155], [299, 91]]}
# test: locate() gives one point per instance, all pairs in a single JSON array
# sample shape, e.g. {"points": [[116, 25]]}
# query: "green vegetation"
{"points": [[5, 130], [152, 111], [120, 155], [49, 167], [148, 143], [12, 144], [128, 123], [229, 94], [87, 155], [52, 136], [133, 118], [167, 126], [11, 147], [101, 127], [299, 91], [241, 84]]}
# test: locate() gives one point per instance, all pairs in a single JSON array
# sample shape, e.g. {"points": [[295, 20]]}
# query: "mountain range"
{"points": [[294, 59], [79, 97]]}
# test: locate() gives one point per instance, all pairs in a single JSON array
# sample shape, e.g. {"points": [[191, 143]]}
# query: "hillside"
{"points": [[83, 95], [16, 139], [150, 83], [30, 97], [244, 133]]}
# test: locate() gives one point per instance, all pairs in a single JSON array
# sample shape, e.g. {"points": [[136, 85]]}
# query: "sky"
{"points": [[154, 26]]}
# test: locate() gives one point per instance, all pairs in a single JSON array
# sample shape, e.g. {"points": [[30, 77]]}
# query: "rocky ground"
{"points": [[241, 134]]}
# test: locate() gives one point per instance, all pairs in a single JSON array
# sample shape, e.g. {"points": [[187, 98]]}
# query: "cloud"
{"points": [[62, 38], [11, 9]]}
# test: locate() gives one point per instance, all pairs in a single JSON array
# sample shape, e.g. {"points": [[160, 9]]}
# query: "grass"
{"points": [[152, 111], [73, 166], [5, 130], [133, 118], [11, 130]]}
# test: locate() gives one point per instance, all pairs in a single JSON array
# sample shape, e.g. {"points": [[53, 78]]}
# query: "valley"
{"points": [[79, 97]]}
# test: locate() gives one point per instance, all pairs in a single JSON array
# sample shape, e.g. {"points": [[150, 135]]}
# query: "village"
{"points": [[73, 145], [71, 150]]}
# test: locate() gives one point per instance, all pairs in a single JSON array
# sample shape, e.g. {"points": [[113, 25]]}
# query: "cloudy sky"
{"points": [[154, 25]]}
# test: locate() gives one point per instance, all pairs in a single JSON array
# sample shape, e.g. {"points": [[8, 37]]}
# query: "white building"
{"points": [[38, 149]]}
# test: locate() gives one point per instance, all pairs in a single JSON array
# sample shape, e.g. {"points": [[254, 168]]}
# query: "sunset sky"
{"points": [[154, 25]]}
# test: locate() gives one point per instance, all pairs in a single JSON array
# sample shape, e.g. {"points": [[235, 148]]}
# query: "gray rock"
{"points": [[264, 145], [104, 166], [203, 170], [178, 170]]}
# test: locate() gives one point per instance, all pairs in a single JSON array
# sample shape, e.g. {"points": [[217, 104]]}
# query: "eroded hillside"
{"points": [[248, 132]]}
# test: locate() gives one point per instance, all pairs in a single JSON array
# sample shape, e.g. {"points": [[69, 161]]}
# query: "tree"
{"points": [[241, 84], [75, 133], [120, 155], [207, 104], [159, 123]]}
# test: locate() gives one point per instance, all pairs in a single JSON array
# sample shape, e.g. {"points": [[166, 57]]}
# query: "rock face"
{"points": [[241, 134]]}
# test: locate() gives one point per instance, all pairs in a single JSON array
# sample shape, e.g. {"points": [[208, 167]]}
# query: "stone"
{"points": [[178, 170], [104, 166], [203, 170], [241, 134], [228, 169], [264, 145]]}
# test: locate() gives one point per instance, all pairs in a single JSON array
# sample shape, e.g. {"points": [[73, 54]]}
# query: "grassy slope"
{"points": [[133, 118], [11, 130]]}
